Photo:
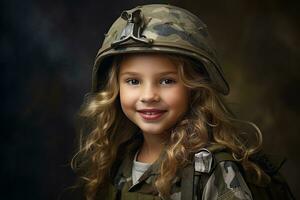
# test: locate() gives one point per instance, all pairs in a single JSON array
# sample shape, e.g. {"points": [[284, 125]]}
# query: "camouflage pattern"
{"points": [[159, 28], [224, 182]]}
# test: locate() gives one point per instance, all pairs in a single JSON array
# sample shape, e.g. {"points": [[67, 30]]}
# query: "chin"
{"points": [[153, 131]]}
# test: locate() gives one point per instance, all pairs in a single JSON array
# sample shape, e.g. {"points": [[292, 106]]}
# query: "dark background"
{"points": [[47, 49]]}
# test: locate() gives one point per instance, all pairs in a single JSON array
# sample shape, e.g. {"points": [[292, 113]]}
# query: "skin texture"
{"points": [[151, 81]]}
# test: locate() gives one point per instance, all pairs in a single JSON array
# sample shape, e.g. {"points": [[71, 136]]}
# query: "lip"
{"points": [[151, 114]]}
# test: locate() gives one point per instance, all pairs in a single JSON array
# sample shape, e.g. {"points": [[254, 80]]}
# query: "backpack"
{"points": [[274, 188]]}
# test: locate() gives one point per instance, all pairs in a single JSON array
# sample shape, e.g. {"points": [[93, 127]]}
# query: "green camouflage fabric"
{"points": [[159, 28], [224, 182]]}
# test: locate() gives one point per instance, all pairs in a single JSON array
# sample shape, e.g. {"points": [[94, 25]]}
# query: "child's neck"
{"points": [[151, 148]]}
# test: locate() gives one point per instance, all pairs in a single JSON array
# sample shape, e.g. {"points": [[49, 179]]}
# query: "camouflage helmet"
{"points": [[159, 28]]}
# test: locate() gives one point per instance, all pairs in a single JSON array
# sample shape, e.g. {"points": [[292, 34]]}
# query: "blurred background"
{"points": [[47, 49]]}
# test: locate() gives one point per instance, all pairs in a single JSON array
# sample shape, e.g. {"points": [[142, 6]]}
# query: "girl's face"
{"points": [[151, 94]]}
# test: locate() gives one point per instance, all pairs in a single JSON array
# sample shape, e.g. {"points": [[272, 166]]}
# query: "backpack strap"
{"points": [[218, 154], [187, 183], [204, 163]]}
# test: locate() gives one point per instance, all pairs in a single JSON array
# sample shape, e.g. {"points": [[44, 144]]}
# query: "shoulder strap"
{"points": [[187, 183]]}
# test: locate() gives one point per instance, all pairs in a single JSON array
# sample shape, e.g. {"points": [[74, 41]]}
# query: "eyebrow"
{"points": [[136, 73]]}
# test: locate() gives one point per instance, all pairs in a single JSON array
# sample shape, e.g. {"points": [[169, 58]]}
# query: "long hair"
{"points": [[208, 120]]}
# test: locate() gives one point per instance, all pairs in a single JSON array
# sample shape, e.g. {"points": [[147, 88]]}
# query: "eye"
{"points": [[167, 81], [132, 81]]}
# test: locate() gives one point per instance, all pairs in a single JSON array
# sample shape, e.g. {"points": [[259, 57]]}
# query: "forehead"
{"points": [[147, 63]]}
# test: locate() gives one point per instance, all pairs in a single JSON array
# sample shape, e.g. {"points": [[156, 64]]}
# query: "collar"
{"points": [[146, 181]]}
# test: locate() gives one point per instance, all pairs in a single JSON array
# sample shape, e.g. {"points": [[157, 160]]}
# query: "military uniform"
{"points": [[224, 181]]}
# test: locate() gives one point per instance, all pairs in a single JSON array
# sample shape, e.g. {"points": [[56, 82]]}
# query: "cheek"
{"points": [[127, 98], [177, 97]]}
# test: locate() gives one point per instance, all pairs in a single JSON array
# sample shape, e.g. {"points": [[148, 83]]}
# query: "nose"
{"points": [[150, 94]]}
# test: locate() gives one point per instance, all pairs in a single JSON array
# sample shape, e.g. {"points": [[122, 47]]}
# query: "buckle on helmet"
{"points": [[133, 29]]}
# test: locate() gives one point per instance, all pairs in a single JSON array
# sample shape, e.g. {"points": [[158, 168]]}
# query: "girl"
{"points": [[156, 115]]}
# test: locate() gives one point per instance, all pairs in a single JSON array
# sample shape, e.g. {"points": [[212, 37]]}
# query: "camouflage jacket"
{"points": [[224, 181]]}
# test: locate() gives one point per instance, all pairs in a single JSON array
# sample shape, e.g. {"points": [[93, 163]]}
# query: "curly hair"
{"points": [[208, 120]]}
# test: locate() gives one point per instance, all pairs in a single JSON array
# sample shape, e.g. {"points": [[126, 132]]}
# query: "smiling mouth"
{"points": [[151, 115]]}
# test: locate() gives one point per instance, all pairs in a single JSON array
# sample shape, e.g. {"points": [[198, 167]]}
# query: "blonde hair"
{"points": [[208, 120]]}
